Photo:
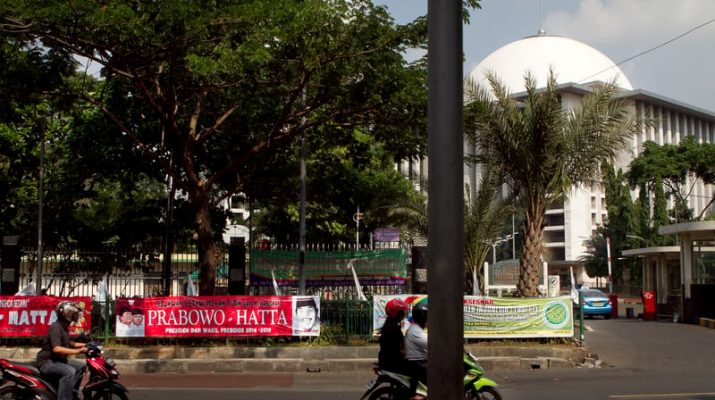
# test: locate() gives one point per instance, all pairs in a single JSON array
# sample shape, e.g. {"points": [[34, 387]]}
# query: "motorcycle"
{"points": [[388, 385], [23, 381]]}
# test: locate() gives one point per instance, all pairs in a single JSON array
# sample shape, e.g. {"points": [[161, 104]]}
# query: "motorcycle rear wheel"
{"points": [[12, 392], [383, 393], [110, 396], [486, 393]]}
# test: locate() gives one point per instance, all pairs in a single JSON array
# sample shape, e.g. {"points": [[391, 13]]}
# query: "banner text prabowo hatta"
{"points": [[218, 316], [30, 316]]}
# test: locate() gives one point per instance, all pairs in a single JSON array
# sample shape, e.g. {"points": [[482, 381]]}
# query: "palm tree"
{"points": [[543, 150], [485, 216], [484, 219]]}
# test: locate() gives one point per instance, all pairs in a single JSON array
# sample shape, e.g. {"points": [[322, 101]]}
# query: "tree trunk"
{"points": [[208, 250], [530, 263]]}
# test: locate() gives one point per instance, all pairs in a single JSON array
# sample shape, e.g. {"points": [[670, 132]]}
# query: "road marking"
{"points": [[661, 395]]}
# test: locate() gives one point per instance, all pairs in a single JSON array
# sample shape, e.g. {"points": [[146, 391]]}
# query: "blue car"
{"points": [[596, 303]]}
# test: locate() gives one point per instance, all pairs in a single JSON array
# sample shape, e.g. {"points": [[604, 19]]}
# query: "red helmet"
{"points": [[394, 306]]}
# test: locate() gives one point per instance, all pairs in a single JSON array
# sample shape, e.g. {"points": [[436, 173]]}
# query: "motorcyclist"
{"points": [[392, 342], [52, 359], [416, 346]]}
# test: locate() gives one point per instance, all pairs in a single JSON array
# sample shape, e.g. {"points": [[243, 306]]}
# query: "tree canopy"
{"points": [[674, 169], [209, 92]]}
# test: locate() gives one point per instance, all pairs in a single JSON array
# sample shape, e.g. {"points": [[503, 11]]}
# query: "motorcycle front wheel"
{"points": [[383, 393], [12, 392], [107, 395], [486, 393]]}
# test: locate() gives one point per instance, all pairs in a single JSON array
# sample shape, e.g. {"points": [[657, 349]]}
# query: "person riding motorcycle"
{"points": [[52, 359], [416, 346], [392, 342]]}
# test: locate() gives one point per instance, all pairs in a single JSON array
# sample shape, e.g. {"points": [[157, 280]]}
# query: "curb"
{"points": [[189, 366], [225, 359], [707, 322]]}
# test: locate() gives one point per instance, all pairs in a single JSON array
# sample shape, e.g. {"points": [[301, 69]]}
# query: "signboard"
{"points": [[29, 316], [505, 275], [218, 316], [554, 285], [491, 317], [386, 235]]}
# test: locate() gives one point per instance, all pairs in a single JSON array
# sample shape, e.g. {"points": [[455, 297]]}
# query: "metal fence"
{"points": [[353, 316], [130, 274]]}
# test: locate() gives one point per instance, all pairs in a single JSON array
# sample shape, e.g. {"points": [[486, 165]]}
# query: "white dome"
{"points": [[572, 61]]}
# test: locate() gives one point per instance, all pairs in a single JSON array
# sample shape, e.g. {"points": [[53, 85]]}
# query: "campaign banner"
{"points": [[29, 316], [378, 309], [218, 316], [494, 317]]}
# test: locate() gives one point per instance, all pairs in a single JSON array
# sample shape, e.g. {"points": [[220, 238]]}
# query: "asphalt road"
{"points": [[641, 360]]}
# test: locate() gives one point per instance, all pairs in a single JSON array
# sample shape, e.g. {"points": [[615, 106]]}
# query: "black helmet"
{"points": [[419, 313], [68, 311]]}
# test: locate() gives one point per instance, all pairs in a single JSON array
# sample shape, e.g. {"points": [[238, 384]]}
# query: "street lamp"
{"points": [[645, 241], [495, 242]]}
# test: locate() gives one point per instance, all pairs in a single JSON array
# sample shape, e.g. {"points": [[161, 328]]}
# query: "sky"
{"points": [[682, 70]]}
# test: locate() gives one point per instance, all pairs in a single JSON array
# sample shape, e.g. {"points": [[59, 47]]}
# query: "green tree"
{"points": [[346, 172], [621, 224], [543, 150], [672, 172], [595, 260], [207, 90], [30, 79]]}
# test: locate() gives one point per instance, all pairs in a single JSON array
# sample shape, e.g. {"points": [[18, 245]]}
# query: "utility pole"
{"points": [[357, 217], [301, 227], [169, 235], [608, 255], [40, 207], [445, 274]]}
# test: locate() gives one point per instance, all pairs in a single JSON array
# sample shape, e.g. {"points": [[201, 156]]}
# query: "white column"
{"points": [[677, 128], [662, 280], [686, 264], [669, 128], [660, 139]]}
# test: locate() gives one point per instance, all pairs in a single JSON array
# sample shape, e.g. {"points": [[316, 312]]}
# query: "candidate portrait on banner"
{"points": [[306, 316]]}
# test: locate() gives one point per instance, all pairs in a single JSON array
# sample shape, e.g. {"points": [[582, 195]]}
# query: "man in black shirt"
{"points": [[52, 359]]}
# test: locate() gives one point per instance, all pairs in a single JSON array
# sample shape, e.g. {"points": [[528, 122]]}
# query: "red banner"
{"points": [[33, 315], [218, 316]]}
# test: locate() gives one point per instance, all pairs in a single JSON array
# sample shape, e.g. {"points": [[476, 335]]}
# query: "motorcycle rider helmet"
{"points": [[419, 313], [394, 307], [68, 311]]}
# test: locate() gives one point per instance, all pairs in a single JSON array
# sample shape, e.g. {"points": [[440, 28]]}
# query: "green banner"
{"points": [[493, 317], [497, 318], [327, 265]]}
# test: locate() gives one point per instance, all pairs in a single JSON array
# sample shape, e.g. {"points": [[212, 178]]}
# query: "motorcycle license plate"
{"points": [[372, 383]]}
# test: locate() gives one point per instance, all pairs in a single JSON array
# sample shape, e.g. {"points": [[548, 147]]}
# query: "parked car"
{"points": [[595, 302]]}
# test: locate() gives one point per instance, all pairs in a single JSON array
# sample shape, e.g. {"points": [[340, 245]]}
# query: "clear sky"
{"points": [[683, 70]]}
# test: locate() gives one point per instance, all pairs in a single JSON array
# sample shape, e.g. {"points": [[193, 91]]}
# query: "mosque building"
{"points": [[577, 67]]}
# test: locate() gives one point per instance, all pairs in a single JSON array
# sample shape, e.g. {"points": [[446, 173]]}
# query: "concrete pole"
{"points": [[445, 271], [301, 224], [610, 274], [40, 207]]}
